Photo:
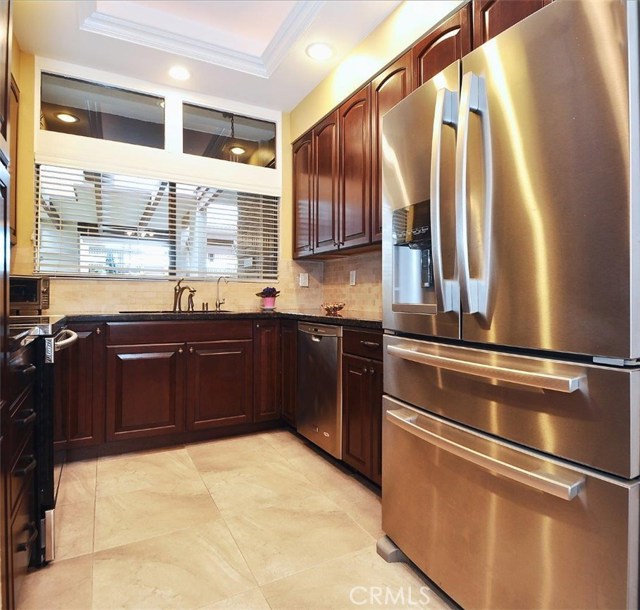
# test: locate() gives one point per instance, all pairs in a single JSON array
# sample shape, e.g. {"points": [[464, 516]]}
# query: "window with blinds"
{"points": [[97, 224]]}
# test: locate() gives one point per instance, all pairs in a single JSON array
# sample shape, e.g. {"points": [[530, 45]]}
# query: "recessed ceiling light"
{"points": [[237, 150], [65, 117], [319, 51], [179, 73]]}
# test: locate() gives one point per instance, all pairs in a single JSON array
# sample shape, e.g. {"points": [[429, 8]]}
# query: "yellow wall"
{"points": [[409, 22], [22, 252]]}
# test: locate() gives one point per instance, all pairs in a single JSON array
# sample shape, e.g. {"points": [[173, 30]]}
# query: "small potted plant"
{"points": [[268, 296]]}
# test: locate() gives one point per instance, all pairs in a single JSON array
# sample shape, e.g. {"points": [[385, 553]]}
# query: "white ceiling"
{"points": [[245, 50]]}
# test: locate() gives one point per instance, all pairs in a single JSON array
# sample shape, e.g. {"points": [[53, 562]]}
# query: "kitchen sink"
{"points": [[171, 311]]}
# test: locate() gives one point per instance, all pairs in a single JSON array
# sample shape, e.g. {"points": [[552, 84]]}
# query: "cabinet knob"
{"points": [[371, 371], [98, 331], [191, 350], [365, 370], [180, 350]]}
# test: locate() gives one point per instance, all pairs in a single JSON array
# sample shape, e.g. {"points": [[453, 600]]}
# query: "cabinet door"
{"points": [[14, 102], [355, 169], [145, 390], [442, 46], [357, 413], [376, 413], [490, 17], [219, 389], [266, 376], [303, 181], [288, 366], [5, 63], [387, 89], [325, 146], [79, 393]]}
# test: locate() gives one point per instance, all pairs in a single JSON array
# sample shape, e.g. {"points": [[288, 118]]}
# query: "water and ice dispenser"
{"points": [[413, 288]]}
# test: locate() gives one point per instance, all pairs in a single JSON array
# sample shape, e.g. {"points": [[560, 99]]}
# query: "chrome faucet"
{"points": [[178, 291], [220, 302]]}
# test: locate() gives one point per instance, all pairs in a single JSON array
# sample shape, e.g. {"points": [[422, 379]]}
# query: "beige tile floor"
{"points": [[260, 521]]}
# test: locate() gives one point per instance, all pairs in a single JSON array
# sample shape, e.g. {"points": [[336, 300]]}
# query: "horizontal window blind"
{"points": [[99, 224]]}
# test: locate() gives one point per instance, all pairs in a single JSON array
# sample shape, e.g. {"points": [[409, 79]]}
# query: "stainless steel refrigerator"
{"points": [[511, 305]]}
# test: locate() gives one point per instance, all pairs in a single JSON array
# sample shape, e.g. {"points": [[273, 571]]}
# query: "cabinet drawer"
{"points": [[21, 476], [363, 343], [129, 333], [21, 422], [20, 373], [453, 495], [23, 535]]}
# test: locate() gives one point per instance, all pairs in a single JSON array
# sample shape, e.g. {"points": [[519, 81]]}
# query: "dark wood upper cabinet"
{"points": [[451, 40], [354, 134], [145, 390], [14, 103], [303, 196], [266, 376], [219, 390], [6, 36], [387, 89], [325, 147], [288, 368], [490, 17]]}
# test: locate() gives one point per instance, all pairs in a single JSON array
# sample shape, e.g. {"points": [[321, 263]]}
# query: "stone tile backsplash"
{"points": [[328, 281]]}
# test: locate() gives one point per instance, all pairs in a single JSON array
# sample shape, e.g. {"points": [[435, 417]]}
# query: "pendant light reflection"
{"points": [[66, 117], [234, 149]]}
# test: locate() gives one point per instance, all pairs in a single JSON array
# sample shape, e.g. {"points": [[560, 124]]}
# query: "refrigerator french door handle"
{"points": [[544, 381], [474, 291], [566, 487], [446, 111]]}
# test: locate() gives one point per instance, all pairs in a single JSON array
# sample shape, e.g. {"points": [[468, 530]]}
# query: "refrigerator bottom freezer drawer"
{"points": [[496, 526]]}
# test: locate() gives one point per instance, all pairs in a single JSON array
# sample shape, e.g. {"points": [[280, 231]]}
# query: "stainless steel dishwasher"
{"points": [[319, 405]]}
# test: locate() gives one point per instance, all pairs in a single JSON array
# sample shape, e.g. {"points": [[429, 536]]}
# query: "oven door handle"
{"points": [[535, 379], [564, 484], [64, 339]]}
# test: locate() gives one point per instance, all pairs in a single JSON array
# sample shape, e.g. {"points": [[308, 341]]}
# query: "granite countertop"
{"points": [[360, 319]]}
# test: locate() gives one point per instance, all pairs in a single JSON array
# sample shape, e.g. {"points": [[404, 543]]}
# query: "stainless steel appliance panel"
{"points": [[420, 292], [547, 230], [497, 527], [584, 413], [319, 405]]}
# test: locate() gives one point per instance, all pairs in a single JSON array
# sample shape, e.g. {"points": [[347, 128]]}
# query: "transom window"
{"points": [[83, 108]]}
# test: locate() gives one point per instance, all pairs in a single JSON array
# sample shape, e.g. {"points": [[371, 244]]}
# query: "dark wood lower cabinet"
{"points": [[376, 407], [266, 374], [79, 390], [288, 368], [362, 404], [219, 389], [145, 390]]}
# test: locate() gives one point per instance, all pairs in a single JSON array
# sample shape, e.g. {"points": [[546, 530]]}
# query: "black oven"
{"points": [[45, 336], [50, 464]]}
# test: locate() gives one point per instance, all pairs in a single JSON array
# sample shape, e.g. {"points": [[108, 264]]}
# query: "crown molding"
{"points": [[297, 22]]}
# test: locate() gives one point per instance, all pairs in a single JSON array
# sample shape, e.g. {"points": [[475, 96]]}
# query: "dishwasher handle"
{"points": [[320, 330]]}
